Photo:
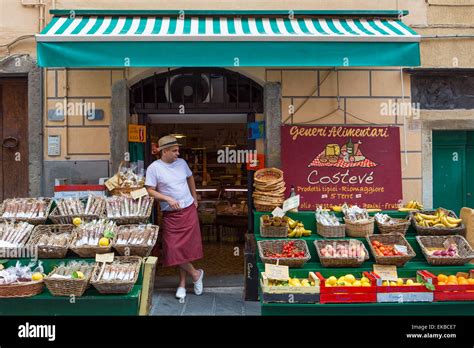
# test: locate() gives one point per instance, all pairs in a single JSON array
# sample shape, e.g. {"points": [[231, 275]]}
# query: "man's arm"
{"points": [[163, 198], [192, 188]]}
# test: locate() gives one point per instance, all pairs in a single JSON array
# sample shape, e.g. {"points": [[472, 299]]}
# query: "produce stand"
{"points": [[459, 308], [137, 302]]}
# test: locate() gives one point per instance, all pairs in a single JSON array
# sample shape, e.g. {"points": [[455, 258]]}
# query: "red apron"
{"points": [[181, 236]]}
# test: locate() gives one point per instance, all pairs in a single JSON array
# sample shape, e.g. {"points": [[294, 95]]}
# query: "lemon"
{"points": [[357, 283], [365, 284], [103, 242], [364, 279], [409, 282], [76, 221], [385, 283], [78, 275], [399, 281], [341, 279], [349, 278], [37, 276], [331, 280], [393, 284]]}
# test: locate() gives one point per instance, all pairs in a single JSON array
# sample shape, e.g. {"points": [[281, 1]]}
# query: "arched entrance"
{"points": [[208, 110]]}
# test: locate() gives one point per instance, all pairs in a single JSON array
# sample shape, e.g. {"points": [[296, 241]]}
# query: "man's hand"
{"points": [[196, 204], [174, 204]]}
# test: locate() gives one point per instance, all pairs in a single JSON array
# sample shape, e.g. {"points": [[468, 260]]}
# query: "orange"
{"points": [[471, 281], [452, 283], [462, 281], [442, 278], [441, 283], [452, 278]]}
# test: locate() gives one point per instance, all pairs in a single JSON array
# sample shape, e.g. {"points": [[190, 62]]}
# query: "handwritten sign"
{"points": [[332, 165], [139, 193], [278, 212], [386, 272], [109, 257], [291, 203], [277, 272], [401, 248]]}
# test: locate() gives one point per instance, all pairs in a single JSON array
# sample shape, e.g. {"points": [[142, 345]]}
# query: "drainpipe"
{"points": [[66, 116]]}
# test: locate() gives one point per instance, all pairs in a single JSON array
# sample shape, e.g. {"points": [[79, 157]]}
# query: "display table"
{"points": [[137, 302], [465, 308]]}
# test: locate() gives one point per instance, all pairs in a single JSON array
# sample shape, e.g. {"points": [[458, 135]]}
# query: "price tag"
{"points": [[278, 212], [386, 272], [109, 257], [276, 272], [401, 248], [112, 183], [291, 203], [139, 193]]}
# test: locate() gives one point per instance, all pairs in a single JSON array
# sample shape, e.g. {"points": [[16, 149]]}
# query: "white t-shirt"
{"points": [[170, 180]]}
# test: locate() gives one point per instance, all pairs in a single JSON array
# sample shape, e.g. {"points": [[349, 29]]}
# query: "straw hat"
{"points": [[167, 141]]}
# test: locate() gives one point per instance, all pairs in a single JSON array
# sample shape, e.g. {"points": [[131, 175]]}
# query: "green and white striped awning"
{"points": [[96, 41]]}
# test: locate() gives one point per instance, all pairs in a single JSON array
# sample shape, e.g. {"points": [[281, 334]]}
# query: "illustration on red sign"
{"points": [[332, 165]]}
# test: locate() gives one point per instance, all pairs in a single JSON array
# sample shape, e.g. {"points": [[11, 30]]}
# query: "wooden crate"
{"points": [[403, 293], [452, 292]]}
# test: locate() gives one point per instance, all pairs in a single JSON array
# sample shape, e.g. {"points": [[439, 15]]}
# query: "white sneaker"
{"points": [[198, 286], [181, 293]]}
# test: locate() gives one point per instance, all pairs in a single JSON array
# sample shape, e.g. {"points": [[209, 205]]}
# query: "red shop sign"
{"points": [[332, 165]]}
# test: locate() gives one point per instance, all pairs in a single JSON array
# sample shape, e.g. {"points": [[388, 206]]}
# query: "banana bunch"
{"points": [[439, 219], [411, 206], [296, 229]]}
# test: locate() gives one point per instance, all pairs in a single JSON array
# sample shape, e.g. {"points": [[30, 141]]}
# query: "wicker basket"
{"points": [[359, 229], [68, 287], [268, 176], [116, 286], [328, 261], [436, 231], [56, 218], [273, 231], [118, 191], [466, 254], [401, 226], [51, 252], [135, 250], [397, 239], [89, 251], [277, 246], [12, 253], [25, 289], [132, 220], [338, 231], [33, 221]]}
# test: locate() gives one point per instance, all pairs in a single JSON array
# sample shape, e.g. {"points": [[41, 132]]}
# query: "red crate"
{"points": [[452, 292], [347, 294], [404, 288]]}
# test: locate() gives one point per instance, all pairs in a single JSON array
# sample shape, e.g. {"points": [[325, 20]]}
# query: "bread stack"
{"points": [[269, 190]]}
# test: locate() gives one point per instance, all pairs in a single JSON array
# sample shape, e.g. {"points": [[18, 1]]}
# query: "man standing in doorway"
{"points": [[171, 182]]}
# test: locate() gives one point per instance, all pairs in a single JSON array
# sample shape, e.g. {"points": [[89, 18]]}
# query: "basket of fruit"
{"points": [[349, 288], [387, 224], [273, 226], [32, 210], [293, 253], [69, 210], [21, 280], [341, 252], [390, 249], [446, 250], [439, 222], [302, 290], [52, 241], [95, 237], [118, 277], [71, 279], [453, 286], [136, 240]]}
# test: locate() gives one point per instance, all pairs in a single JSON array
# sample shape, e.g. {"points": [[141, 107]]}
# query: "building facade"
{"points": [[93, 147]]}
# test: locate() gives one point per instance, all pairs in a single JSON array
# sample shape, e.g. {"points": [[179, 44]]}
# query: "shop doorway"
{"points": [[14, 135], [453, 169], [208, 110]]}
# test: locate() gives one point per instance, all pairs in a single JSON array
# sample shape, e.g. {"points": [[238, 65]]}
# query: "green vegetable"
{"points": [[109, 234]]}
